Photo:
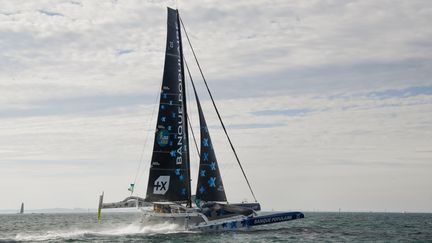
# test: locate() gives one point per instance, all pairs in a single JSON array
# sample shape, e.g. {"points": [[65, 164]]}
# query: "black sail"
{"points": [[169, 178], [210, 187]]}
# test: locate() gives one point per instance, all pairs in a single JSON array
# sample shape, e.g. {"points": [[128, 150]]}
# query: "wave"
{"points": [[136, 228]]}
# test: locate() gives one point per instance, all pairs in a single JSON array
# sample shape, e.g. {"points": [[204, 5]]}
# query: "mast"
{"points": [[186, 133]]}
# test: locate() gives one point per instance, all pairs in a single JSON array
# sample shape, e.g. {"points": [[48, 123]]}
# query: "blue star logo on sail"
{"points": [[181, 177], [205, 129], [213, 166], [173, 153], [205, 142], [169, 128], [183, 191], [202, 189], [164, 95], [205, 156], [173, 115], [177, 172], [162, 107], [163, 119], [212, 182], [203, 173]]}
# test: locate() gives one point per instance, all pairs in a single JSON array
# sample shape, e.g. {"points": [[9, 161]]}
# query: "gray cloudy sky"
{"points": [[328, 102]]}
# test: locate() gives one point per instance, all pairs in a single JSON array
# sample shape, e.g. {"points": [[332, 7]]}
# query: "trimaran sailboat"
{"points": [[169, 196]]}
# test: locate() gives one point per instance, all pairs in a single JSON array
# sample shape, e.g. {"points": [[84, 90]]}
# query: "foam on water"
{"points": [[135, 228], [127, 227]]}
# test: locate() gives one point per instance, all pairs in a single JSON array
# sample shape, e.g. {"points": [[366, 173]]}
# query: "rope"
{"points": [[193, 85], [145, 143], [217, 111], [193, 135]]}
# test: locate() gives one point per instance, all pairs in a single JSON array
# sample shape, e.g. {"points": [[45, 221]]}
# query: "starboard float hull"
{"points": [[198, 222], [246, 223]]}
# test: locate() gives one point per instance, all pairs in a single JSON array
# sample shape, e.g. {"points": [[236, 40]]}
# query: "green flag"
{"points": [[131, 187]]}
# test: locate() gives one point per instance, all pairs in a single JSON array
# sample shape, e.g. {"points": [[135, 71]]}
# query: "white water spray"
{"points": [[135, 228]]}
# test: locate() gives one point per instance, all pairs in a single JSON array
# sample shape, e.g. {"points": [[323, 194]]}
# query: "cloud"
{"points": [[77, 105], [412, 91], [124, 51], [326, 97], [45, 12], [287, 112]]}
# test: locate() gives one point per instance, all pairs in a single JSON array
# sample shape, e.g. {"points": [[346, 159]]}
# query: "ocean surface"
{"points": [[125, 227]]}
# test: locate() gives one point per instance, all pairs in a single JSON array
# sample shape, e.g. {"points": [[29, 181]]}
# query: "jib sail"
{"points": [[210, 187]]}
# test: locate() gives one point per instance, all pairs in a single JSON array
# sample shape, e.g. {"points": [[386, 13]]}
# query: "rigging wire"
{"points": [[189, 120], [180, 46], [193, 134], [145, 143], [217, 111]]}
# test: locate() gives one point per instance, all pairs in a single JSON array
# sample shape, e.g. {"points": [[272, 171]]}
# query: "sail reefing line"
{"points": [[217, 111]]}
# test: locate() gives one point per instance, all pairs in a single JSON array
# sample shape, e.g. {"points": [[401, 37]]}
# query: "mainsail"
{"points": [[210, 187], [169, 178]]}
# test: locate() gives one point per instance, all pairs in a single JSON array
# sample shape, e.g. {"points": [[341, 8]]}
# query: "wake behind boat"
{"points": [[169, 197]]}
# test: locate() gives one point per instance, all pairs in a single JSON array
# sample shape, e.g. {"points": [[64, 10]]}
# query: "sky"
{"points": [[329, 103]]}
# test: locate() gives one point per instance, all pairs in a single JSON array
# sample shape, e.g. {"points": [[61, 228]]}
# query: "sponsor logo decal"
{"points": [[272, 219], [163, 138], [161, 185]]}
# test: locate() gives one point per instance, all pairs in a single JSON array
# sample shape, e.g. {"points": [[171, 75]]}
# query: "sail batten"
{"points": [[169, 178]]}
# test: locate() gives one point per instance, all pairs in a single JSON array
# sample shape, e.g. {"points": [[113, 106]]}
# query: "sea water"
{"points": [[126, 227]]}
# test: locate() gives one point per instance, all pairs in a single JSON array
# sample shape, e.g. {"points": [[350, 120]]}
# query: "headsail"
{"points": [[210, 187], [169, 178]]}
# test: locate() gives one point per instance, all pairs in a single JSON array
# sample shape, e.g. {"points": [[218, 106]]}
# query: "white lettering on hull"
{"points": [[272, 219]]}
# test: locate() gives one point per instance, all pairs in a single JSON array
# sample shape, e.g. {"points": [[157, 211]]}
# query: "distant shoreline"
{"points": [[94, 210]]}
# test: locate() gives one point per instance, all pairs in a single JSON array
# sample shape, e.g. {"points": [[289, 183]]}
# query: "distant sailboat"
{"points": [[169, 194], [21, 209]]}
